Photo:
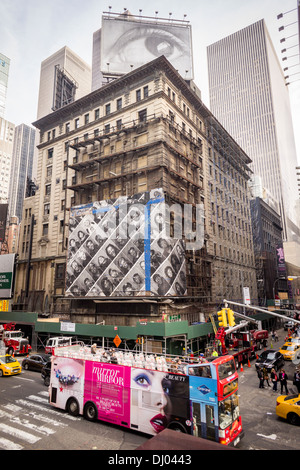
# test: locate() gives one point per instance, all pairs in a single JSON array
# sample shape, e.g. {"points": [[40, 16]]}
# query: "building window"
{"points": [[119, 124], [60, 271], [47, 189], [107, 109], [138, 95], [49, 171], [146, 91], [45, 229], [143, 115], [50, 153], [107, 129], [97, 113], [76, 123], [46, 209], [86, 118], [119, 104], [67, 127]]}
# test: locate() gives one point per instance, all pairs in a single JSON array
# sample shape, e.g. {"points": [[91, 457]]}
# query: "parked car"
{"points": [[288, 407], [35, 362], [45, 374], [288, 325], [290, 351], [270, 359]]}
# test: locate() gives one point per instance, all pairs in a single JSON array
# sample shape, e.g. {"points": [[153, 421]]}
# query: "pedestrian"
{"points": [[283, 381], [297, 380], [260, 375], [266, 376], [274, 378], [273, 335], [276, 337]]}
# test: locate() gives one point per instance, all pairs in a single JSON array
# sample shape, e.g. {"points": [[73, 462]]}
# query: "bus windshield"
{"points": [[226, 370], [228, 410]]}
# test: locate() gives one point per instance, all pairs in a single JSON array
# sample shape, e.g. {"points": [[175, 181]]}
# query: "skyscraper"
{"points": [[21, 168], [4, 72], [249, 97]]}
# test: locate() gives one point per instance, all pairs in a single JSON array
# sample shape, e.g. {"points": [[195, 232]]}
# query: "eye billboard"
{"points": [[122, 247], [131, 42]]}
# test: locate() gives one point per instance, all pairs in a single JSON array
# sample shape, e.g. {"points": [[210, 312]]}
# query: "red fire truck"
{"points": [[238, 341], [14, 341]]}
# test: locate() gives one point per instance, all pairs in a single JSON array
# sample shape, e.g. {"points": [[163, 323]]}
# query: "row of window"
{"points": [[141, 93]]}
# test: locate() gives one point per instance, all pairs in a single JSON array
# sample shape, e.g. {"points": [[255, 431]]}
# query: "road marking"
{"points": [[272, 436], [5, 444], [23, 435], [39, 399], [49, 410], [24, 422]]}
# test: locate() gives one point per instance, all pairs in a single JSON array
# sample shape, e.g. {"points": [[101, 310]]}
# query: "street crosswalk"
{"points": [[28, 420]]}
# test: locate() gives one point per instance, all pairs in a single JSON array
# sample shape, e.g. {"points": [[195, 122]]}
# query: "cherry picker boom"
{"points": [[242, 345]]}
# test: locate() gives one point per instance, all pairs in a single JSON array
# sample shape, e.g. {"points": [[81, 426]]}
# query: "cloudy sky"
{"points": [[32, 30]]}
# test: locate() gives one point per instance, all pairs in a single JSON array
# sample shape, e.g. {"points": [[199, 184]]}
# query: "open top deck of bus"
{"points": [[141, 360]]}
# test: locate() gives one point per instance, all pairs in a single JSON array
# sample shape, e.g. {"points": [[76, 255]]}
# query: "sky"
{"points": [[32, 30]]}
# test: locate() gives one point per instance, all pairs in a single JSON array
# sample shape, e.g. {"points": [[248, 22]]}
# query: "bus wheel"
{"points": [[90, 411], [73, 407]]}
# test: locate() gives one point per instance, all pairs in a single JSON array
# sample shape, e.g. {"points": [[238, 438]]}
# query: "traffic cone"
{"points": [[242, 368], [249, 365]]}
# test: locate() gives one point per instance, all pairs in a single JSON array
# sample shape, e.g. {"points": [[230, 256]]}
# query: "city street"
{"points": [[263, 429], [28, 422]]}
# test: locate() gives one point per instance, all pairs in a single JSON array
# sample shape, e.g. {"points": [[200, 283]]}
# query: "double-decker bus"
{"points": [[148, 393]]}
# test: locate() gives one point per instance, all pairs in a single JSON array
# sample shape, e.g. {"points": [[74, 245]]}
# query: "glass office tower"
{"points": [[248, 95], [4, 72]]}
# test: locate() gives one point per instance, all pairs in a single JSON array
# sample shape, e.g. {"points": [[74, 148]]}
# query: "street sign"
{"points": [[117, 341]]}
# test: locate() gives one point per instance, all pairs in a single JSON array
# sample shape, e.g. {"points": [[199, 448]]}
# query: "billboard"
{"points": [[7, 263], [121, 247], [3, 217], [130, 43]]}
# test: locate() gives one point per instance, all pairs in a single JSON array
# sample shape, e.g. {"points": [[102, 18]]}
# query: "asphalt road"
{"points": [[263, 429]]}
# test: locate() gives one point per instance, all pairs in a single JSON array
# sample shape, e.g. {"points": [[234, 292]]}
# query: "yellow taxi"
{"points": [[9, 365], [290, 351], [288, 407]]}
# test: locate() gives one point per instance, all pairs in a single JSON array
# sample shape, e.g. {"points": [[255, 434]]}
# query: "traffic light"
{"points": [[230, 317], [222, 318]]}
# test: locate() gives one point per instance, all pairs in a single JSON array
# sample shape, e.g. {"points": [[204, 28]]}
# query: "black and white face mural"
{"points": [[122, 247]]}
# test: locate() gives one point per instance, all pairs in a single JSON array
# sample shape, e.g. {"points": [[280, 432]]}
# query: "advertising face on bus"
{"points": [[68, 375], [149, 400]]}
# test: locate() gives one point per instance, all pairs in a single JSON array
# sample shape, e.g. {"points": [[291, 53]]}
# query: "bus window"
{"points": [[201, 371], [228, 411], [210, 422], [226, 369], [196, 419]]}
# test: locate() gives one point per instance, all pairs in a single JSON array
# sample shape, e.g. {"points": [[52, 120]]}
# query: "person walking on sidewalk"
{"points": [[283, 381], [260, 375], [274, 379], [297, 380], [266, 376]]}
